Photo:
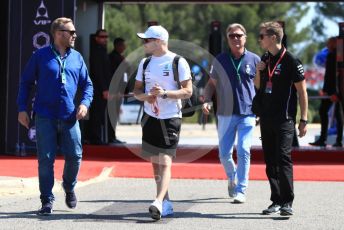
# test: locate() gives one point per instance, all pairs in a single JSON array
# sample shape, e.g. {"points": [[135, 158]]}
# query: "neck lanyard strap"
{"points": [[237, 68], [271, 73], [62, 65]]}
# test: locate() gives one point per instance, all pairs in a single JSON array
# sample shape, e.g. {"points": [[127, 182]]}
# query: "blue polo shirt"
{"points": [[54, 97], [235, 89]]}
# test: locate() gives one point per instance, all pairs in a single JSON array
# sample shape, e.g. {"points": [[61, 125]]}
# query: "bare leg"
{"points": [[162, 174]]}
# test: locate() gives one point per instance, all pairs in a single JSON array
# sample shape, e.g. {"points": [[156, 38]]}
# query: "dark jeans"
{"points": [[54, 135], [277, 138], [324, 108]]}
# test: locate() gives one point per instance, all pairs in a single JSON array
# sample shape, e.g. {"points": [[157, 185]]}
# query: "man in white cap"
{"points": [[161, 121]]}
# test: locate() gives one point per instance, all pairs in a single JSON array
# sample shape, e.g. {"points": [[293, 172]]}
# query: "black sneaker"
{"points": [[46, 209], [116, 141], [71, 200], [318, 143], [337, 144], [286, 210], [272, 209]]}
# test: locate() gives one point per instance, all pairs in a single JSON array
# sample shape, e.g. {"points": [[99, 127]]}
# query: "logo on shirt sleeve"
{"points": [[300, 69]]}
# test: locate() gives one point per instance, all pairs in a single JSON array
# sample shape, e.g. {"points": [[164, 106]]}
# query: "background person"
{"points": [[116, 59], [101, 77], [330, 88]]}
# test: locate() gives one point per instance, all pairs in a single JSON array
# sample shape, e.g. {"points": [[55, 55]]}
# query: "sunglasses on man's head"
{"points": [[71, 32], [238, 36], [102, 36]]}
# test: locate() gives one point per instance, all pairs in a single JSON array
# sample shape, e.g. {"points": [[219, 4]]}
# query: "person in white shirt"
{"points": [[161, 121]]}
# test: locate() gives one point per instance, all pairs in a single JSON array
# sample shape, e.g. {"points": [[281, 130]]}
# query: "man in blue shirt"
{"points": [[58, 71], [232, 75]]}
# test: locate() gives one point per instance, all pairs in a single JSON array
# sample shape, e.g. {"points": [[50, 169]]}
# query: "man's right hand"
{"points": [[151, 99], [206, 107], [261, 66], [24, 119], [106, 95]]}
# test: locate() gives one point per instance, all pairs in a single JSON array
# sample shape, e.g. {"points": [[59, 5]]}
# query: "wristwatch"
{"points": [[304, 121], [164, 96]]}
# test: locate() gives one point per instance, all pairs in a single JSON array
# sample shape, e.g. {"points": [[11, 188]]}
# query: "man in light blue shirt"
{"points": [[58, 71], [232, 75]]}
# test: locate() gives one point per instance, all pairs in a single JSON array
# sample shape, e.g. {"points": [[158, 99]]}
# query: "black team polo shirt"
{"points": [[281, 103]]}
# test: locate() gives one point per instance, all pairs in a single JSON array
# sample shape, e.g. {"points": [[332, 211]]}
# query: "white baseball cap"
{"points": [[157, 32]]}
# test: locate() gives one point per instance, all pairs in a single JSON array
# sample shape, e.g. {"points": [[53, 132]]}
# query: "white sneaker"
{"points": [[239, 198], [167, 208], [231, 188], [155, 210]]}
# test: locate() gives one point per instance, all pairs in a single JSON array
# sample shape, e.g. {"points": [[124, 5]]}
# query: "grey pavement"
{"points": [[114, 203]]}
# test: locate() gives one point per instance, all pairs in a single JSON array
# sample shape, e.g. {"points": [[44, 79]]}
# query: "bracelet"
{"points": [[304, 121]]}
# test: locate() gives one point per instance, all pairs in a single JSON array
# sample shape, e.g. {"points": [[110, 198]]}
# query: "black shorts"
{"points": [[160, 135]]}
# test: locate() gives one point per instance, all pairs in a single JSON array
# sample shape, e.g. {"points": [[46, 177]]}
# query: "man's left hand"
{"points": [[302, 129], [81, 113], [334, 98]]}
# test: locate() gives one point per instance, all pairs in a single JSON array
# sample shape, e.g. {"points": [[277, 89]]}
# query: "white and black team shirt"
{"points": [[159, 71]]}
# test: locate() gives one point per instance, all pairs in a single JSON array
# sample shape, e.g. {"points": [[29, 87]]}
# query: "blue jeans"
{"points": [[228, 126], [57, 135]]}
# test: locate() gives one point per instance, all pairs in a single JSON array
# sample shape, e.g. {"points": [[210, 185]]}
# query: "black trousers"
{"points": [[277, 139], [95, 131], [323, 111]]}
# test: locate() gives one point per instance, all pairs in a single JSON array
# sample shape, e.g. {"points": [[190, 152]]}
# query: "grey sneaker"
{"points": [[286, 210], [272, 209], [231, 189]]}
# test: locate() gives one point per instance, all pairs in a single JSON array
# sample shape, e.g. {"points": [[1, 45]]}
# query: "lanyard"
{"points": [[273, 70], [237, 68], [62, 64]]}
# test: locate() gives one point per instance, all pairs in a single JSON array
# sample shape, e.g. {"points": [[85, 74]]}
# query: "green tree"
{"points": [[332, 10], [191, 22]]}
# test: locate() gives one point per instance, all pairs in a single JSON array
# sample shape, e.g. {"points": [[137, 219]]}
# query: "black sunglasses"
{"points": [[261, 36], [232, 36], [147, 40], [71, 32]]}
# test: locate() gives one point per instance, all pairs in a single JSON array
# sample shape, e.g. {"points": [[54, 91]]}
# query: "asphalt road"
{"points": [[113, 203]]}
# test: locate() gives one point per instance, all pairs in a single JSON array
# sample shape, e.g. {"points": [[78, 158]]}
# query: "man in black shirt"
{"points": [[280, 77], [101, 77], [116, 56], [330, 89]]}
